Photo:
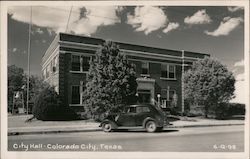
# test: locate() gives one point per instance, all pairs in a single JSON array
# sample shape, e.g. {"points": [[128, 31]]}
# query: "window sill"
{"points": [[168, 79], [75, 105], [78, 71]]}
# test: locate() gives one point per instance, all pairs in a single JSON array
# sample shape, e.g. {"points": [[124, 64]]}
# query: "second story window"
{"points": [[171, 71], [168, 71], [85, 63], [80, 63], [145, 68], [75, 63]]}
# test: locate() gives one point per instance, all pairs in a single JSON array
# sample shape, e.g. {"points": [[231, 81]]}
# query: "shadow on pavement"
{"points": [[143, 131]]}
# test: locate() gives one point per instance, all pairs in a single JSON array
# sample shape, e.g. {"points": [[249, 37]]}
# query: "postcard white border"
{"points": [[187, 155]]}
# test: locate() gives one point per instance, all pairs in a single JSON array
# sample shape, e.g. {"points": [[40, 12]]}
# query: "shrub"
{"points": [[47, 107], [227, 110]]}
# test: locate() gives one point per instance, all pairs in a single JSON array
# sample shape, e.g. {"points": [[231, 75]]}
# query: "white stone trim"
{"points": [[128, 52]]}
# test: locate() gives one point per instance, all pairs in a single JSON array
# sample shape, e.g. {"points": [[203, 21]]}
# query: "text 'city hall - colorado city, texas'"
{"points": [[159, 71]]}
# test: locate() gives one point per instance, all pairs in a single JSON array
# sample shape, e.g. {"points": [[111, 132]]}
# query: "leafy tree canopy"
{"points": [[17, 81], [208, 83], [111, 80]]}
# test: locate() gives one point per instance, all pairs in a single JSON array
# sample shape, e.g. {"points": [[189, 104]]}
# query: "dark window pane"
{"points": [[75, 95], [171, 71], [132, 110], [144, 71], [145, 68], [171, 94], [75, 63], [171, 75], [164, 93], [85, 63], [164, 71], [164, 74]]}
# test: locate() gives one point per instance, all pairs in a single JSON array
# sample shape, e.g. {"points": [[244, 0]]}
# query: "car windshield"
{"points": [[159, 110]]}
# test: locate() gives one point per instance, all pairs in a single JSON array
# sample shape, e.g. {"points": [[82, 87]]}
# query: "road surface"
{"points": [[202, 139]]}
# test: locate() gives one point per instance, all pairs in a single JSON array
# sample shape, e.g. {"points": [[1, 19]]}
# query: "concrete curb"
{"points": [[52, 132], [208, 125], [99, 129]]}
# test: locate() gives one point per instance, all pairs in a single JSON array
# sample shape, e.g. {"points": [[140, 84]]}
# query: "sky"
{"points": [[218, 31]]}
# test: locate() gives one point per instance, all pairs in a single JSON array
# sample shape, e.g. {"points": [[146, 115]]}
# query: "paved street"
{"points": [[208, 139]]}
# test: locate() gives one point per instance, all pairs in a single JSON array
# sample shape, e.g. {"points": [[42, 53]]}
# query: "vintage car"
{"points": [[147, 116]]}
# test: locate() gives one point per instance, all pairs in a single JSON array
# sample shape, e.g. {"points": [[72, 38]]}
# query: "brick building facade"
{"points": [[158, 71]]}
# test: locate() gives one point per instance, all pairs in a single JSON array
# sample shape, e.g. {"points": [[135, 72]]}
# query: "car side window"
{"points": [[132, 110], [142, 109]]}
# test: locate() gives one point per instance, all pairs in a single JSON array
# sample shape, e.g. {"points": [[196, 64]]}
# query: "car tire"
{"points": [[107, 127], [150, 126]]}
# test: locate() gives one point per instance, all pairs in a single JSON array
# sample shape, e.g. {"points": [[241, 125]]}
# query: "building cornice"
{"points": [[128, 52]]}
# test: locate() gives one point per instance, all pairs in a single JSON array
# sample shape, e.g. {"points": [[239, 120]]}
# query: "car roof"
{"points": [[139, 105]]}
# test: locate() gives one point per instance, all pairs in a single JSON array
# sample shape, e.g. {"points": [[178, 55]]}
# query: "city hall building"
{"points": [[159, 71]]}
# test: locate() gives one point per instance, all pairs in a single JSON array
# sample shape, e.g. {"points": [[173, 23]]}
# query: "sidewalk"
{"points": [[17, 125]]}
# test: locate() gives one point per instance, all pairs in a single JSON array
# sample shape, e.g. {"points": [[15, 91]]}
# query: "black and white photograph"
{"points": [[131, 79]]}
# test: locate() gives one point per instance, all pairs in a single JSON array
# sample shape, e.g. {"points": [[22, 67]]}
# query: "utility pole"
{"points": [[182, 84], [68, 19], [28, 69]]}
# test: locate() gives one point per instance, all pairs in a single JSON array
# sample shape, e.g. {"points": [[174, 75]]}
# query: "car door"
{"points": [[127, 118], [142, 112]]}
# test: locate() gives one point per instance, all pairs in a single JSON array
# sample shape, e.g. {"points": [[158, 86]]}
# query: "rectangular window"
{"points": [[164, 96], [164, 70], [47, 71], [51, 67], [55, 64], [75, 95], [145, 68], [168, 71], [85, 63], [171, 71], [170, 98], [167, 97], [142, 109], [75, 63], [80, 63]]}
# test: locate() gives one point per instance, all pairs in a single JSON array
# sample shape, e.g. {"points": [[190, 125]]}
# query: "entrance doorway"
{"points": [[144, 96]]}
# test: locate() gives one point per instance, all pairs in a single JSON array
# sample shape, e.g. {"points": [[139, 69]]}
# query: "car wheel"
{"points": [[107, 127], [151, 126]]}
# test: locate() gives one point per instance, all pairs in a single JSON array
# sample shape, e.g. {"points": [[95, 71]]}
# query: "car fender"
{"points": [[114, 125], [148, 119]]}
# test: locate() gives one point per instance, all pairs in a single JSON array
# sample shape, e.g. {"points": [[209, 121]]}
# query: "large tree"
{"points": [[111, 81], [15, 82], [208, 83]]}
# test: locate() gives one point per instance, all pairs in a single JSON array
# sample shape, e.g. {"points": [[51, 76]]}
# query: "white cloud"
{"points": [[226, 26], [14, 49], [200, 17], [170, 27], [234, 9], [55, 18], [240, 90], [95, 17], [147, 19], [239, 63]]}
